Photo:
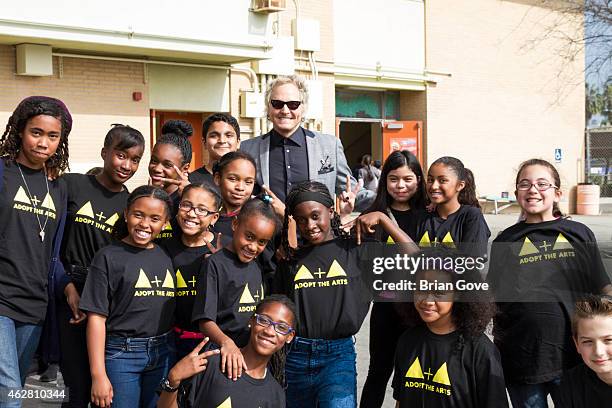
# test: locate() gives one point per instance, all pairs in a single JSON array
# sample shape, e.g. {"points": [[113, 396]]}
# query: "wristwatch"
{"points": [[165, 385]]}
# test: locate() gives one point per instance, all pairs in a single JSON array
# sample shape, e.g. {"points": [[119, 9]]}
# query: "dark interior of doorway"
{"points": [[356, 138]]}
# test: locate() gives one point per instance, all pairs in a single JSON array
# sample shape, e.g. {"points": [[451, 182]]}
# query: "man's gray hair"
{"points": [[296, 80]]}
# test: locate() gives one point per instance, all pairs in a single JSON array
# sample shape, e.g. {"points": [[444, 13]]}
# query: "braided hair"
{"points": [[10, 143], [293, 199], [277, 361]]}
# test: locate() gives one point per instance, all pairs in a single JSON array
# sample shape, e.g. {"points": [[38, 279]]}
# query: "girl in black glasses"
{"points": [[539, 268], [197, 380], [198, 210]]}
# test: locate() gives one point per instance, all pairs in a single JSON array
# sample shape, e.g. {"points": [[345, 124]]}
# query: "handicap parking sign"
{"points": [[558, 155]]}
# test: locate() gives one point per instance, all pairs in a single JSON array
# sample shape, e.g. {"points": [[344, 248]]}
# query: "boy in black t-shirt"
{"points": [[95, 203], [33, 149], [590, 384], [197, 380], [221, 135]]}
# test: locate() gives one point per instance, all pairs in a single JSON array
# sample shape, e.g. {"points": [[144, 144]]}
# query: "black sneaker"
{"points": [[50, 374]]}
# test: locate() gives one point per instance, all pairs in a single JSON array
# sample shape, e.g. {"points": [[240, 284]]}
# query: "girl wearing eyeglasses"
{"points": [[198, 380], [198, 211], [230, 284], [539, 267]]}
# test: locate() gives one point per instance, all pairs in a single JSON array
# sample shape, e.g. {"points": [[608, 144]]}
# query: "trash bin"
{"points": [[587, 199]]}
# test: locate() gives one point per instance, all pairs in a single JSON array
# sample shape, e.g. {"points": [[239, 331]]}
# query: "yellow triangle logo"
{"points": [[562, 243], [48, 203], [335, 270], [441, 376], [246, 295], [143, 280], [528, 248], [167, 227], [415, 370], [86, 210], [448, 240], [168, 281], [112, 219], [390, 240], [226, 404], [303, 273], [180, 281], [22, 197], [425, 241]]}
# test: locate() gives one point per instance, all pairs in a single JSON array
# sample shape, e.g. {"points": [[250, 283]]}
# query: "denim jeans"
{"points": [[321, 373], [135, 367], [534, 395], [18, 342]]}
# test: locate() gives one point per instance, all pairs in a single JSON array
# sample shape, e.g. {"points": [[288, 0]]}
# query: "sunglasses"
{"points": [[278, 104]]}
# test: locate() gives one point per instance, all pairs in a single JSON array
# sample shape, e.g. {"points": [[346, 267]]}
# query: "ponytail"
{"points": [[467, 196]]}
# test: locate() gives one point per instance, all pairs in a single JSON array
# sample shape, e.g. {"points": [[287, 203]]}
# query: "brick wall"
{"points": [[503, 103], [98, 93]]}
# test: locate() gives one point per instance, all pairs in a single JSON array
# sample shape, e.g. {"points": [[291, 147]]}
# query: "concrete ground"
{"points": [[601, 226]]}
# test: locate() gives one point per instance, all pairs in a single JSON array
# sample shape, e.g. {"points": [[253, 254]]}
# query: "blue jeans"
{"points": [[321, 373], [534, 395], [135, 367], [18, 342]]}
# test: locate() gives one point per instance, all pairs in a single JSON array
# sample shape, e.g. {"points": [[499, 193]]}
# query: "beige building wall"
{"points": [[97, 93], [502, 103]]}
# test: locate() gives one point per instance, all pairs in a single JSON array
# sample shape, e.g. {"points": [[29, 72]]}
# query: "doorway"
{"points": [[360, 137], [200, 155]]}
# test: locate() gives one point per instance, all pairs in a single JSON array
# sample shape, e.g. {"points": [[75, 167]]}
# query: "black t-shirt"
{"points": [[24, 258], [171, 228], [581, 388], [212, 389], [405, 220], [465, 229], [133, 287], [187, 262], [224, 226], [92, 213], [201, 175], [325, 281], [537, 272], [433, 370], [228, 292]]}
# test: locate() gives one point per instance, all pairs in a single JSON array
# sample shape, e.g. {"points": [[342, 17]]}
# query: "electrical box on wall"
{"points": [[281, 59], [268, 6], [307, 34], [33, 60], [315, 99], [251, 104]]}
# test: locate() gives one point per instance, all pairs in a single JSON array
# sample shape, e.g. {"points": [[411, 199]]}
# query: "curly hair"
{"points": [[471, 311], [10, 143], [296, 80], [291, 202]]}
